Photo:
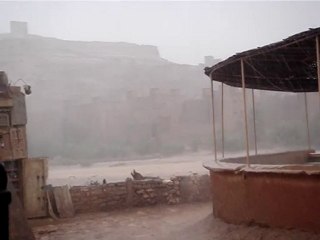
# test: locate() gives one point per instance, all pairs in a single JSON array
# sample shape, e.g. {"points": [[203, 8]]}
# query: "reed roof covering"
{"points": [[289, 65]]}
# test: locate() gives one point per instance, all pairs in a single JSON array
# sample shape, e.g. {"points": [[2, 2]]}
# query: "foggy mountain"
{"points": [[100, 101], [81, 89]]}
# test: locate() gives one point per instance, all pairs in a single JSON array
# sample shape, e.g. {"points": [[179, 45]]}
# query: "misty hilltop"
{"points": [[103, 66], [45, 46], [102, 101], [99, 94]]}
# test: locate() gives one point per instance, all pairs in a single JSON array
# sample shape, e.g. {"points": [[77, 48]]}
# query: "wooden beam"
{"points": [[318, 65], [222, 122], [254, 123], [307, 119], [245, 111], [213, 123]]}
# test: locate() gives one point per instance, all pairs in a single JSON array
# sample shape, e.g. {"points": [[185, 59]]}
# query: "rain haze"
{"points": [[124, 112], [183, 31]]}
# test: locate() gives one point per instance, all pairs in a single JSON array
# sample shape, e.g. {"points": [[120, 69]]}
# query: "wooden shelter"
{"points": [[278, 189], [291, 65]]}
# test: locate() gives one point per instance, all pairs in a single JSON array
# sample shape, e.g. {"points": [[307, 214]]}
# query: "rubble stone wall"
{"points": [[132, 193]]}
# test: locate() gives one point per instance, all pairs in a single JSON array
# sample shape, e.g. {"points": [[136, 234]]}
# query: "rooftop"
{"points": [[289, 65]]}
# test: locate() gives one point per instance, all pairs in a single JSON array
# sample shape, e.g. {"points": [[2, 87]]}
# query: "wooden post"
{"points": [[222, 122], [130, 192], [307, 119], [213, 123], [318, 65], [254, 123], [245, 111]]}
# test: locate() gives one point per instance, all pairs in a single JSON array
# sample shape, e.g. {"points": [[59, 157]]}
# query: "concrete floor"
{"points": [[180, 222]]}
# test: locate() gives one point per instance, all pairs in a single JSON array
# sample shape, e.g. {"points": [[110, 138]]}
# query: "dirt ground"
{"points": [[120, 170], [180, 222]]}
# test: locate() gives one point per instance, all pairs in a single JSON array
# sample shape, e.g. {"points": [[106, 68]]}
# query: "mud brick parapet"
{"points": [[132, 193]]}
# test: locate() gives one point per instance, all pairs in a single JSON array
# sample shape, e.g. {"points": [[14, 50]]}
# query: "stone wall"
{"points": [[132, 193]]}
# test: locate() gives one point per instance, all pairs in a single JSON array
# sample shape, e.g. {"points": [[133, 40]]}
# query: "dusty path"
{"points": [[181, 222]]}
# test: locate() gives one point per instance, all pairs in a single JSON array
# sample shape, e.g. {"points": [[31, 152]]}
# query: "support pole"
{"points": [[213, 124], [254, 123], [318, 64], [307, 119], [245, 111], [222, 122]]}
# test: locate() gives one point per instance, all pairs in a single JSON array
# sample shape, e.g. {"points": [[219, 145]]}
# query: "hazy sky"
{"points": [[183, 31]]}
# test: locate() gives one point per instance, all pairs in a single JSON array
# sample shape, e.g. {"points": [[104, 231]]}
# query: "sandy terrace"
{"points": [[119, 171], [180, 222]]}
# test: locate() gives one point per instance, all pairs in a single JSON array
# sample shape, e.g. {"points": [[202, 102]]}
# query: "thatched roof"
{"points": [[289, 65]]}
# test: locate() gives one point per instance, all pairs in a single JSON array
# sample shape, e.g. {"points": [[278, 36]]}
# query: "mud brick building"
{"points": [[27, 175]]}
